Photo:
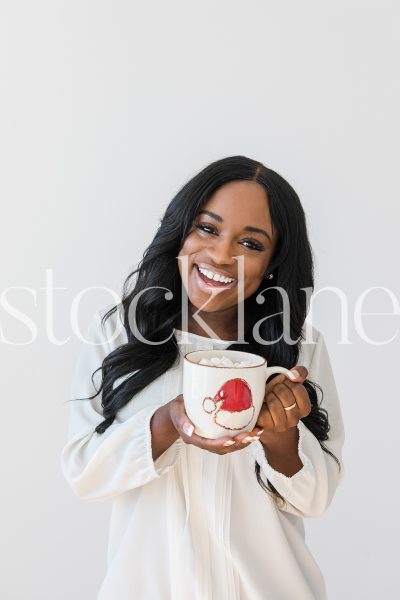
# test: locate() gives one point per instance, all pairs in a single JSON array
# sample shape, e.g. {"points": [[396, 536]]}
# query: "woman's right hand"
{"points": [[185, 428]]}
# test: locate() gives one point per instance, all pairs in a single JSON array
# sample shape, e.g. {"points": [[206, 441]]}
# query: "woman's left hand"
{"points": [[281, 392]]}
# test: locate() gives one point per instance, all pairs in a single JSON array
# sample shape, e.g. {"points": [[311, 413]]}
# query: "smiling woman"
{"points": [[186, 507]]}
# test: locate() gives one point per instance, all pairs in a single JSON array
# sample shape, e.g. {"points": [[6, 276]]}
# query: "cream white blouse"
{"points": [[194, 524]]}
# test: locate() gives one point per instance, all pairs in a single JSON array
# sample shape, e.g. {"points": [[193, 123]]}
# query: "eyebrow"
{"points": [[247, 228]]}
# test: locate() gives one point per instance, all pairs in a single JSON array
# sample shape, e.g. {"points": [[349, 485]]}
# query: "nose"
{"points": [[221, 252]]}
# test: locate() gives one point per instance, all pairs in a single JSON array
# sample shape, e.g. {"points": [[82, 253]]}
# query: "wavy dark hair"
{"points": [[158, 313]]}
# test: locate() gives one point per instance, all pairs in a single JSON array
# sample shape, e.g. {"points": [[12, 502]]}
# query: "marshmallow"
{"points": [[224, 361]]}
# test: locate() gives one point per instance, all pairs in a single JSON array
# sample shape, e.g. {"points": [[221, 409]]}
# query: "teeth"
{"points": [[215, 276]]}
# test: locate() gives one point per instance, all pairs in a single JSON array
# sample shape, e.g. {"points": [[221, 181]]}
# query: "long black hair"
{"points": [[158, 309]]}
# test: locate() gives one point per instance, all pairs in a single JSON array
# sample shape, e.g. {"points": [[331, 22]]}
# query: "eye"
{"points": [[203, 227], [252, 245]]}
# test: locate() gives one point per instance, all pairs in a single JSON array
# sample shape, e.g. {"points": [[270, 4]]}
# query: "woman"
{"points": [[194, 517]]}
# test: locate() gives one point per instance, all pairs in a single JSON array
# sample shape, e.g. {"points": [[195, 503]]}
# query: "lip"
{"points": [[224, 273], [210, 286]]}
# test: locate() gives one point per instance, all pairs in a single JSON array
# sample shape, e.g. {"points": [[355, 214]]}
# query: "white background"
{"points": [[107, 108]]}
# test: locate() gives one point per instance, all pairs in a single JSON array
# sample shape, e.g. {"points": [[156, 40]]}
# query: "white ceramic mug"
{"points": [[224, 401]]}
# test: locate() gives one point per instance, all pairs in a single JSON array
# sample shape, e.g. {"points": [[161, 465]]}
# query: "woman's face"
{"points": [[234, 222]]}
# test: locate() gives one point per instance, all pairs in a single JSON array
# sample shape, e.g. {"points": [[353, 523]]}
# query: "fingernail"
{"points": [[294, 374], [229, 443], [260, 432], [249, 438], [188, 429]]}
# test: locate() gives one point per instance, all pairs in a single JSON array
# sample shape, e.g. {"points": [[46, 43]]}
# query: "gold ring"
{"points": [[290, 407]]}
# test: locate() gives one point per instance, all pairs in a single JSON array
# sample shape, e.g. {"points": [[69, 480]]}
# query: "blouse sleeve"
{"points": [[309, 492], [100, 466]]}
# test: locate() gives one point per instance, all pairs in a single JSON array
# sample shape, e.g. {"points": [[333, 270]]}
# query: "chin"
{"points": [[199, 298]]}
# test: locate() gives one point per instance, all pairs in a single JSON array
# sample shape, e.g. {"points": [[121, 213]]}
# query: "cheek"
{"points": [[254, 276], [190, 246], [254, 270]]}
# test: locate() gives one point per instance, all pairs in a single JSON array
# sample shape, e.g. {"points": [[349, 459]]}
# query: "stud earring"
{"points": [[268, 276]]}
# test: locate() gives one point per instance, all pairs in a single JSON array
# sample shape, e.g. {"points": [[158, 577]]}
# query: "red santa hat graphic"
{"points": [[232, 405]]}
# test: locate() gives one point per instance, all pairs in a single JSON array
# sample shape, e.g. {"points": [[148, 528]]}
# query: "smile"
{"points": [[211, 279]]}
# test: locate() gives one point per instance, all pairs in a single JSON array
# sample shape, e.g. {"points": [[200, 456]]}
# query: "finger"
{"points": [[301, 373], [300, 394], [185, 428], [247, 437], [265, 419], [292, 415], [278, 413], [302, 400], [284, 392], [262, 419], [221, 445], [272, 382], [181, 421]]}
